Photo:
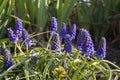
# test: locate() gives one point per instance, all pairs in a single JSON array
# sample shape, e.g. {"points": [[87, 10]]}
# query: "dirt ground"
{"points": [[113, 54]]}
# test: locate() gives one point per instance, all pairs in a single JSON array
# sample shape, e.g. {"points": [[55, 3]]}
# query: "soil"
{"points": [[113, 54]]}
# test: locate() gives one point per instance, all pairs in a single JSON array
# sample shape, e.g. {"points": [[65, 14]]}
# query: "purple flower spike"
{"points": [[101, 51], [84, 43], [68, 44], [27, 42], [72, 31], [34, 59], [6, 56], [11, 35], [55, 42], [25, 36], [53, 25], [7, 63], [18, 28], [63, 31]]}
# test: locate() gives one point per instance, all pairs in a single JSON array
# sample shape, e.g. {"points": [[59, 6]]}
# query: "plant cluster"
{"points": [[58, 62]]}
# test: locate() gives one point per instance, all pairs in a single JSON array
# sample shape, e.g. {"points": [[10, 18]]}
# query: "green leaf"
{"points": [[2, 6], [11, 5], [20, 8], [64, 10], [12, 67], [26, 71], [41, 14], [46, 68]]}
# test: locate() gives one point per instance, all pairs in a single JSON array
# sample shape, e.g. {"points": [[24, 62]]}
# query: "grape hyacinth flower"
{"points": [[18, 28], [53, 25], [62, 31], [68, 44], [6, 56], [7, 63], [72, 31], [11, 35], [53, 29], [27, 42], [84, 43], [25, 38], [101, 51], [67, 49], [34, 59], [55, 42]]}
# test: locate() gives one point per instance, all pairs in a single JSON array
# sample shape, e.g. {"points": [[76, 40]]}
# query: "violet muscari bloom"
{"points": [[11, 35], [27, 42], [6, 56], [72, 31], [18, 28], [63, 31], [84, 43], [53, 25], [101, 50], [68, 44], [8, 63], [25, 36], [34, 58], [55, 42]]}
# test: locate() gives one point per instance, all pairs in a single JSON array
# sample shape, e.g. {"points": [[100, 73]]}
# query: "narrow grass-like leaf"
{"points": [[46, 68], [26, 71], [31, 7], [116, 77], [111, 64], [12, 67], [3, 29], [11, 5], [20, 8], [66, 10], [2, 6], [41, 14]]}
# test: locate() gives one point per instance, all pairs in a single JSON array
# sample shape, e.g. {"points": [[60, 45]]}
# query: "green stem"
{"points": [[26, 71], [15, 51], [58, 79], [49, 40], [78, 54], [39, 34], [111, 64], [61, 41], [12, 67], [19, 49], [64, 56], [27, 50]]}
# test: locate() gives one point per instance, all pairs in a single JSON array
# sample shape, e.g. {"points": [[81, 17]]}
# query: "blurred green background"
{"points": [[100, 17]]}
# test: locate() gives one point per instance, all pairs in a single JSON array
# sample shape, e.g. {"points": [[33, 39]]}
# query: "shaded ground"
{"points": [[113, 54]]}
